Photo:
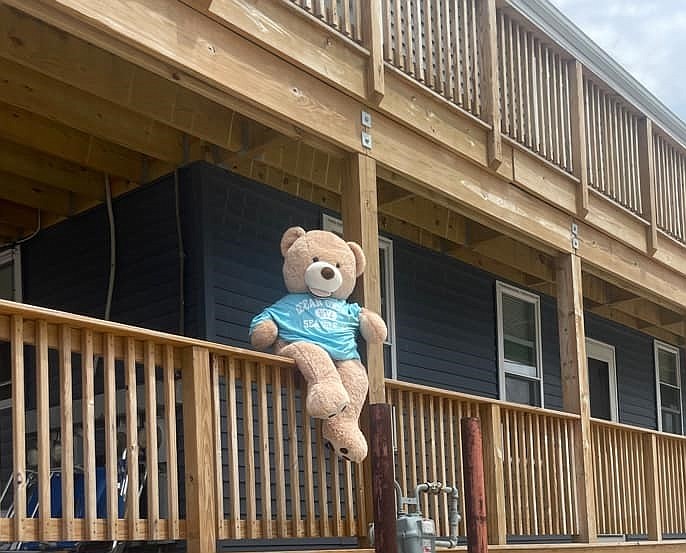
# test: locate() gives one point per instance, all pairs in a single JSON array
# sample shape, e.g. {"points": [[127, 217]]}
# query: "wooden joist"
{"points": [[38, 166], [31, 91], [59, 140], [70, 60]]}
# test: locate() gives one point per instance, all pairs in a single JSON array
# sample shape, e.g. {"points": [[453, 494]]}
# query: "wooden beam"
{"points": [[490, 92], [518, 255], [39, 133], [646, 164], [32, 164], [389, 193], [429, 216], [372, 39], [75, 62], [199, 451], [578, 128], [239, 68], [361, 225], [575, 386], [35, 194], [70, 106], [18, 216]]}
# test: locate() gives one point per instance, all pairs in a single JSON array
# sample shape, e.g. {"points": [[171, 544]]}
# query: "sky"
{"points": [[647, 37]]}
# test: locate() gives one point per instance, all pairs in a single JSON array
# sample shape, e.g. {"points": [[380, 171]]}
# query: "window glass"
{"points": [[7, 281], [669, 388], [519, 344]]}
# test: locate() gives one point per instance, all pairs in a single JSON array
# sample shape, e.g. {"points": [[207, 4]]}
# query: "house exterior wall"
{"points": [[232, 270]]}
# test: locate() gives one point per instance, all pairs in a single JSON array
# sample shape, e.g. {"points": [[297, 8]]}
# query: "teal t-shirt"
{"points": [[328, 322]]}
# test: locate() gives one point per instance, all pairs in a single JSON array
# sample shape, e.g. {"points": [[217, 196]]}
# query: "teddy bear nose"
{"points": [[327, 273]]}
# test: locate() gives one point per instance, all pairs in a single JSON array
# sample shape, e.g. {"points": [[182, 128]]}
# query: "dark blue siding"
{"points": [[445, 325], [635, 369], [67, 266]]}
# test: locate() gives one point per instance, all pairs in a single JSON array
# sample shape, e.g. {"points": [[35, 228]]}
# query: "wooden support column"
{"points": [[651, 471], [492, 436], [198, 432], [490, 91], [575, 391], [579, 144], [372, 40], [646, 165], [361, 225]]}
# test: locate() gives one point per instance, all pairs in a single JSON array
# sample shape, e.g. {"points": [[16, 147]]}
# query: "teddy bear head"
{"points": [[321, 263]]}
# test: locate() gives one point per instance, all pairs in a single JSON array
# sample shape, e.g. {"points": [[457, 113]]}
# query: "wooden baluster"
{"points": [[67, 432], [201, 501], [43, 427], [232, 450], [265, 470], [279, 463], [132, 454], [249, 437], [88, 417], [217, 365], [110, 388], [294, 463], [372, 39], [311, 522], [324, 527], [18, 424], [151, 460], [170, 431]]}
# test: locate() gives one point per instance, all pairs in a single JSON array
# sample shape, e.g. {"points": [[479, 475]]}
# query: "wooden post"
{"points": [[578, 123], [651, 471], [383, 489], [646, 165], [494, 472], [361, 225], [490, 91], [199, 451], [474, 487], [372, 40], [575, 393]]}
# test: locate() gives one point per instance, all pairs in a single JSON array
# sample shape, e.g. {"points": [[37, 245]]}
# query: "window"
{"points": [[668, 376], [10, 275], [519, 345], [333, 224]]}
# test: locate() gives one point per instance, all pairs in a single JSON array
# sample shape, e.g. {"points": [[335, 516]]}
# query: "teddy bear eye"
{"points": [[338, 265], [315, 259]]}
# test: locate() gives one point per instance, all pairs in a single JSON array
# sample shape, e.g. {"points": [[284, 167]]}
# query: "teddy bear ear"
{"points": [[289, 237], [360, 259]]}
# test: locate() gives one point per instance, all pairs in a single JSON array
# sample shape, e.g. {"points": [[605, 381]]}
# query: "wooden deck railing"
{"points": [[534, 92], [612, 140], [531, 456], [345, 16], [218, 434], [670, 182]]}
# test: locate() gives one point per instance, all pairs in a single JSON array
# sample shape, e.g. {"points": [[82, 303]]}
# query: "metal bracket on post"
{"points": [[575, 236], [366, 126]]}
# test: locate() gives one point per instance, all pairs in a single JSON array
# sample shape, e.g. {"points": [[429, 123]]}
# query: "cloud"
{"points": [[647, 37]]}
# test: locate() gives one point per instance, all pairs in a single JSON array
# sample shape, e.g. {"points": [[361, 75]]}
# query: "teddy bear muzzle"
{"points": [[323, 278]]}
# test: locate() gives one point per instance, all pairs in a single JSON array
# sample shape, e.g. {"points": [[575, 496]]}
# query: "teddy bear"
{"points": [[317, 327]]}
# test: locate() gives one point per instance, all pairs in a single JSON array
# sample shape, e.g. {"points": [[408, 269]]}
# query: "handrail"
{"points": [[118, 329]]}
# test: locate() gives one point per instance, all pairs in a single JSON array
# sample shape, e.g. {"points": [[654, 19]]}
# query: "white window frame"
{"points": [[505, 367], [334, 224], [13, 256], [657, 345], [606, 353]]}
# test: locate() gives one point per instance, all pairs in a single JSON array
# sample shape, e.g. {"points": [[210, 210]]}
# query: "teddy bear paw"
{"points": [[347, 441], [325, 401]]}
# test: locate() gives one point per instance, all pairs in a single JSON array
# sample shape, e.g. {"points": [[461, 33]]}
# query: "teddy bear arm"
{"points": [[372, 327], [264, 334]]}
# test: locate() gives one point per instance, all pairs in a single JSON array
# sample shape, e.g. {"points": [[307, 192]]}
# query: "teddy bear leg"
{"points": [[326, 395], [343, 431]]}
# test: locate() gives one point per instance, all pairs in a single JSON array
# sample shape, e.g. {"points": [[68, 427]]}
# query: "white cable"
{"points": [[113, 247]]}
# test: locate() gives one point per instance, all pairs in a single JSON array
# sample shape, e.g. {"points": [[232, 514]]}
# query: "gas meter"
{"points": [[416, 534]]}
